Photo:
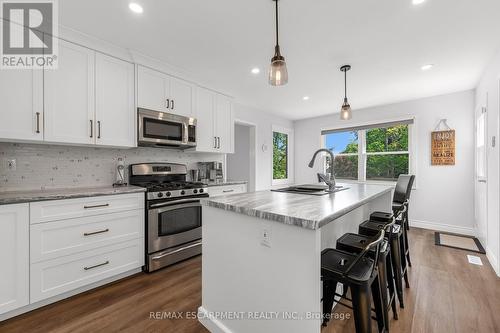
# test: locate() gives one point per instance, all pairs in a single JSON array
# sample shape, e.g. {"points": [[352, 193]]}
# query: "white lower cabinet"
{"points": [[53, 277], [77, 242], [14, 256], [214, 191]]}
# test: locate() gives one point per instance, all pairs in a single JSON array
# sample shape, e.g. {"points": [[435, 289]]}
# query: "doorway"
{"points": [[242, 164]]}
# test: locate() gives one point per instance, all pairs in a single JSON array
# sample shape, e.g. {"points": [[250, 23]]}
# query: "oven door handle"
{"points": [[175, 203], [176, 251], [174, 207]]}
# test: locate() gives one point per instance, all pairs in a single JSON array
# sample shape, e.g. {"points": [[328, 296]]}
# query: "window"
{"points": [[370, 153], [282, 159]]}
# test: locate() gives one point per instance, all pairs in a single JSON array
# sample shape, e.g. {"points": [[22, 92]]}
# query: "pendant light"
{"points": [[345, 112], [278, 74]]}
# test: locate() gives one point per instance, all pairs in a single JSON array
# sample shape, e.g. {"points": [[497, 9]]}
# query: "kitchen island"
{"points": [[261, 255]]}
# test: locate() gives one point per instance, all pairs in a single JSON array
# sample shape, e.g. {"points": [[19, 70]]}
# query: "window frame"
{"points": [[290, 155], [363, 154]]}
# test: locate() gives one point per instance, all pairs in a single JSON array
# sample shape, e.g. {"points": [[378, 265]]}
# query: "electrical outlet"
{"points": [[265, 235], [11, 165]]}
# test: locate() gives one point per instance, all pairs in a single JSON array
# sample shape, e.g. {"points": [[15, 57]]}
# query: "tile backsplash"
{"points": [[41, 166]]}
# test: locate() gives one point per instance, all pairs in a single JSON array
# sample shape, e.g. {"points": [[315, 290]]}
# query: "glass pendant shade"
{"points": [[345, 112], [278, 74]]}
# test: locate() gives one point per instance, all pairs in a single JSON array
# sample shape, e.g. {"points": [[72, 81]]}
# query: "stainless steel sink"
{"points": [[310, 190]]}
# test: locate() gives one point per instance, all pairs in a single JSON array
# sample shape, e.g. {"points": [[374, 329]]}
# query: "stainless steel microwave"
{"points": [[161, 129]]}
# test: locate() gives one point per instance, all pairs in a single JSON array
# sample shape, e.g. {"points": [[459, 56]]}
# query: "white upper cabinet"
{"points": [[181, 97], [205, 131], [224, 124], [14, 256], [215, 126], [162, 92], [114, 105], [152, 89], [69, 96], [21, 104]]}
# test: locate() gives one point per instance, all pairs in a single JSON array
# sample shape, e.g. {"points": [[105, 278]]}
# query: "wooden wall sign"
{"points": [[443, 147]]}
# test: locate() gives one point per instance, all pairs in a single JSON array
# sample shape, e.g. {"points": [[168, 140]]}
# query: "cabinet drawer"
{"points": [[66, 237], [57, 276], [227, 189], [45, 211]]}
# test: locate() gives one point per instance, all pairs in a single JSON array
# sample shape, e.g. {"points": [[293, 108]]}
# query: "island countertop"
{"points": [[306, 211]]}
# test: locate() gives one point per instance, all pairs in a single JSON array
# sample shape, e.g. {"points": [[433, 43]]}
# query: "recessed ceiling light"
{"points": [[255, 70], [427, 67], [305, 98], [135, 7], [418, 2]]}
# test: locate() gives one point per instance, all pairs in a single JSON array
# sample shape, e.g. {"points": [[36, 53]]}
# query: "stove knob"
{"points": [[168, 194], [182, 192], [159, 195], [195, 191], [201, 190]]}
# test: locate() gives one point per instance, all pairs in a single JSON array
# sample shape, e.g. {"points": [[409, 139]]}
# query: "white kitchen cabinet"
{"points": [[215, 125], [214, 191], [21, 105], [14, 256], [224, 124], [69, 96], [205, 128], [161, 92], [114, 102]]}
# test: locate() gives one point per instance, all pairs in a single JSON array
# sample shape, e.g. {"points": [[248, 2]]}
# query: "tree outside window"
{"points": [[370, 154], [280, 155]]}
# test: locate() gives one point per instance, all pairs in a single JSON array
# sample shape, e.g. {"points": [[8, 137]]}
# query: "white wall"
{"points": [[488, 94], [445, 194], [263, 122], [238, 164]]}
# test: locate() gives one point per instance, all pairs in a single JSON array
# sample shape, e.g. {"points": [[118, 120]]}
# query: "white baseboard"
{"points": [[443, 227], [210, 322], [493, 260]]}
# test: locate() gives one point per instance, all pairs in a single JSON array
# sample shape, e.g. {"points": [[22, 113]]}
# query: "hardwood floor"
{"points": [[447, 294]]}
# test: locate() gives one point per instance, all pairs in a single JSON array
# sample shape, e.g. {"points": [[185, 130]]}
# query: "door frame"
{"points": [[481, 108], [252, 182]]}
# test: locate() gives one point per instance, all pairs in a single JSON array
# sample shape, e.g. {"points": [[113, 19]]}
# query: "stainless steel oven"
{"points": [[174, 231], [163, 129]]}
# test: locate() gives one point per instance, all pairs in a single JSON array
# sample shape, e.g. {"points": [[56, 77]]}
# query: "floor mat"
{"points": [[461, 242]]}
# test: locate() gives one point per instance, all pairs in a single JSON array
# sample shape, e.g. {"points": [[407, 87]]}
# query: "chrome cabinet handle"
{"points": [[98, 129], [168, 103], [218, 142], [95, 266], [482, 180], [215, 142], [227, 191], [91, 128], [173, 104], [38, 122], [96, 206], [95, 232]]}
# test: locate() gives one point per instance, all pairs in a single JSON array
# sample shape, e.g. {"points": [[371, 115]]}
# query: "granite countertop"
{"points": [[306, 211], [227, 182], [65, 193]]}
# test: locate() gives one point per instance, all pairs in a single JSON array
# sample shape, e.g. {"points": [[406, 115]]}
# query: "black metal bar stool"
{"points": [[355, 243], [400, 207], [371, 228], [360, 274]]}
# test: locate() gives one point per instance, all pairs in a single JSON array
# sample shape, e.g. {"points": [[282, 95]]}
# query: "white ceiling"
{"points": [[386, 42]]}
